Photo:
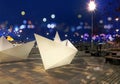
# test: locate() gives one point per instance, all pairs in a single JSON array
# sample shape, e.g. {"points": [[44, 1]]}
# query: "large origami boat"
{"points": [[55, 53], [8, 52]]}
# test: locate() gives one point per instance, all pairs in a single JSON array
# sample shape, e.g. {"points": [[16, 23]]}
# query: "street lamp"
{"points": [[92, 5], [91, 8]]}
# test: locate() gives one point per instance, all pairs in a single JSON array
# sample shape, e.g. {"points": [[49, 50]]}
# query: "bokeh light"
{"points": [[16, 29], [44, 19], [48, 25], [79, 16], [47, 33], [117, 30], [66, 35], [9, 38], [51, 25], [22, 26], [23, 13], [101, 21], [109, 18], [116, 18], [24, 21], [52, 16]]}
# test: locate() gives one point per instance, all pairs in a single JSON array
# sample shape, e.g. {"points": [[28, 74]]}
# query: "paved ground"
{"points": [[84, 69]]}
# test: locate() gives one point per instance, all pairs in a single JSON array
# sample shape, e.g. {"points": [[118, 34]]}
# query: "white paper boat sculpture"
{"points": [[54, 54], [15, 53]]}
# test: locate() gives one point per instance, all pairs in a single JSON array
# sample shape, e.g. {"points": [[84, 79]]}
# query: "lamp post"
{"points": [[91, 8]]}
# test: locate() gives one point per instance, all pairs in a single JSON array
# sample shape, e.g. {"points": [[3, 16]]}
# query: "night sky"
{"points": [[66, 15], [65, 10]]}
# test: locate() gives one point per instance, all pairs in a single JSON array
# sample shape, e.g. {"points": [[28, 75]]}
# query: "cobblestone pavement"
{"points": [[83, 70]]}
